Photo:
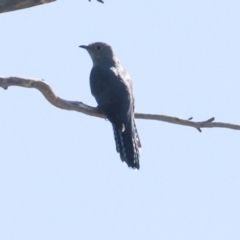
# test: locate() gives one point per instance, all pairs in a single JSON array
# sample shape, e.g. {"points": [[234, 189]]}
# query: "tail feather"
{"points": [[128, 144], [117, 139], [139, 145]]}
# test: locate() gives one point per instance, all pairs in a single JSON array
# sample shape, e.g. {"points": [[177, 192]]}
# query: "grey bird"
{"points": [[112, 88]]}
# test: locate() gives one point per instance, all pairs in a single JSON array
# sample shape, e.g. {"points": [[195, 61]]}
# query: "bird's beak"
{"points": [[83, 46]]}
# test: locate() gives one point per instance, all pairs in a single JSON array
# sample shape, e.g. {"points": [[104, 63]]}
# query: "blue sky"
{"points": [[60, 176]]}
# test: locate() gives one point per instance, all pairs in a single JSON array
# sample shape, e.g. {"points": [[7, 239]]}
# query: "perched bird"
{"points": [[112, 88]]}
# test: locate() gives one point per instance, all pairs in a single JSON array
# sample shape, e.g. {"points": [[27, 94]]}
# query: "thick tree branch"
{"points": [[46, 90]]}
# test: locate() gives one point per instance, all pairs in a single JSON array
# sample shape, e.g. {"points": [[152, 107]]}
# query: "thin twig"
{"points": [[98, 1]]}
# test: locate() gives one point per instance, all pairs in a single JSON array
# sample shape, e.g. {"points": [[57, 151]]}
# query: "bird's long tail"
{"points": [[128, 144]]}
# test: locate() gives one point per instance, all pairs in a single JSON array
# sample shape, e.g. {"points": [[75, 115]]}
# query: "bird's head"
{"points": [[100, 52]]}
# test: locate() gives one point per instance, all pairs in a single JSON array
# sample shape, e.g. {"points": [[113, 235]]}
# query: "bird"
{"points": [[111, 86]]}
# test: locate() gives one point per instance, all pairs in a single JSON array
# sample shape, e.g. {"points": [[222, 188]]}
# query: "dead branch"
{"points": [[98, 1], [48, 93], [12, 5]]}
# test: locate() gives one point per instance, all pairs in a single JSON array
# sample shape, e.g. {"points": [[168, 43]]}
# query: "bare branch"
{"points": [[48, 93], [98, 1], [12, 5]]}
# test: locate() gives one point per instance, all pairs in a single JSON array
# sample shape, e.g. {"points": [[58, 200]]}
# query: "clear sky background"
{"points": [[60, 175]]}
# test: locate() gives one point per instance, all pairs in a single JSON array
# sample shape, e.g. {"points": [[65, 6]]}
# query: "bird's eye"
{"points": [[98, 47]]}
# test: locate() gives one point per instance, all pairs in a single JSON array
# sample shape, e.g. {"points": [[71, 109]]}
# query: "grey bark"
{"points": [[48, 93], [12, 5]]}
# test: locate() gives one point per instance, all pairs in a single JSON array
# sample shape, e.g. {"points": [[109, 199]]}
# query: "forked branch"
{"points": [[48, 93]]}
